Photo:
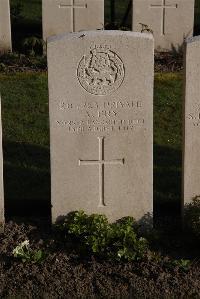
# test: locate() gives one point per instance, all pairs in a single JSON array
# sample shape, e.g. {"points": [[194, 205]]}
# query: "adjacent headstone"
{"points": [[191, 179], [2, 220], [61, 16], [5, 27], [101, 123], [171, 21]]}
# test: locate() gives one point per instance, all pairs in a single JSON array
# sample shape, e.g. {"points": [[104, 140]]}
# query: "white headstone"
{"points": [[61, 16], [171, 21], [101, 123], [5, 27], [191, 177]]}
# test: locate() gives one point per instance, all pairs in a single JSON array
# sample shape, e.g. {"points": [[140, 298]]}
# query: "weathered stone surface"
{"points": [[62, 16], [1, 178], [191, 178], [5, 27], [171, 20], [101, 123]]}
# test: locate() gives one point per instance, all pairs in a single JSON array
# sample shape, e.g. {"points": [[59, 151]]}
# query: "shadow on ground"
{"points": [[26, 179], [167, 186], [27, 182]]}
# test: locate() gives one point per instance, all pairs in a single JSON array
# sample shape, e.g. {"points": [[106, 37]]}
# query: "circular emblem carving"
{"points": [[101, 71]]}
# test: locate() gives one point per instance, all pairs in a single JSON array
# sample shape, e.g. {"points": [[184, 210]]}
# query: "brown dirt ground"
{"points": [[66, 274], [168, 62]]}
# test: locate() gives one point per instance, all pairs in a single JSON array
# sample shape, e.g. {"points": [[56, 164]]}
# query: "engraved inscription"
{"points": [[101, 162], [90, 126], [163, 7], [101, 71], [117, 104], [195, 117], [104, 116]]}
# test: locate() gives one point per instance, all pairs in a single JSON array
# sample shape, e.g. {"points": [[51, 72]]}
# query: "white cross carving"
{"points": [[163, 6], [101, 162], [73, 7]]}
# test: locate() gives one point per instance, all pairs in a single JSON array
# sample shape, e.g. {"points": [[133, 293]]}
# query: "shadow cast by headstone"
{"points": [[191, 217], [24, 27], [27, 183], [26, 179], [118, 16], [167, 187], [178, 50], [144, 224], [197, 18], [189, 233]]}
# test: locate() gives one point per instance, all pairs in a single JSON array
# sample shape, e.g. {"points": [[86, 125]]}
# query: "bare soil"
{"points": [[168, 61], [66, 274]]}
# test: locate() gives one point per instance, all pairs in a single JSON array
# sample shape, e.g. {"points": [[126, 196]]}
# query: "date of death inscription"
{"points": [[107, 116]]}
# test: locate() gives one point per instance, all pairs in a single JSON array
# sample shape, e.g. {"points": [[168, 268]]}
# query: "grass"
{"points": [[168, 115], [31, 10], [26, 138], [120, 8], [26, 19], [168, 101]]}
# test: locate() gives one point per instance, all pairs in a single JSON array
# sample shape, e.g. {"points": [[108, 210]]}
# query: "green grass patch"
{"points": [[25, 108], [30, 11], [168, 102], [120, 8], [25, 137], [167, 110]]}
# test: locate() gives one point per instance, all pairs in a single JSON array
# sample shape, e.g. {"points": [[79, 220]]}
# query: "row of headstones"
{"points": [[101, 123], [171, 21]]}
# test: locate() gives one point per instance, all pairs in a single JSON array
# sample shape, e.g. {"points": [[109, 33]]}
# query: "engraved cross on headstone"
{"points": [[73, 7], [163, 6], [101, 162]]}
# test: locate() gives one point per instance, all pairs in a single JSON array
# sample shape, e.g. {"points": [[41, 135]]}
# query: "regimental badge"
{"points": [[101, 71]]}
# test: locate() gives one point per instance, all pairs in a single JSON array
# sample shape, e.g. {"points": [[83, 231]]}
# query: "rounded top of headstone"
{"points": [[90, 34]]}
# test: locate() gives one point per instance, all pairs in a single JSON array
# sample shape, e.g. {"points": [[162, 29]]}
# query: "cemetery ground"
{"points": [[56, 266]]}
